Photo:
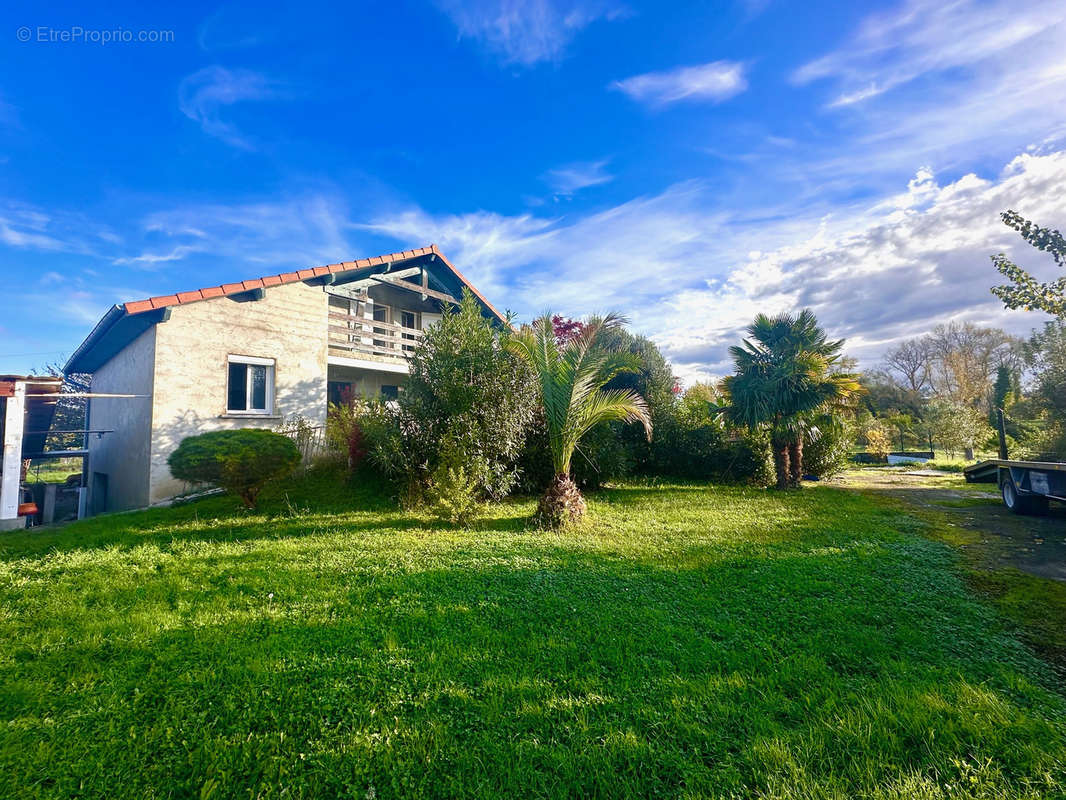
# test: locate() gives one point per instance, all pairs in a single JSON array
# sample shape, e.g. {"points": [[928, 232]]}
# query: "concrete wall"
{"points": [[123, 455], [192, 351]]}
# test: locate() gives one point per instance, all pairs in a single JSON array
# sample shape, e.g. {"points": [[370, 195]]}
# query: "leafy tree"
{"points": [[240, 461], [786, 373], [467, 401], [957, 426], [566, 329], [902, 423], [572, 377], [883, 395], [1046, 355], [966, 358], [1025, 291]]}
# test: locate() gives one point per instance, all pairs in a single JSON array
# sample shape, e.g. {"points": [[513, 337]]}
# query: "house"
{"points": [[250, 354]]}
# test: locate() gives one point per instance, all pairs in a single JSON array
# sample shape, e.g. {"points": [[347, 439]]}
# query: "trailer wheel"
{"points": [[1022, 504]]}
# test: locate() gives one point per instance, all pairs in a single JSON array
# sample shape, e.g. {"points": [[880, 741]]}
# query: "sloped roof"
{"points": [[225, 289], [124, 322]]}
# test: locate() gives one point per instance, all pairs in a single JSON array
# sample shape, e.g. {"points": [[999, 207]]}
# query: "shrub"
{"points": [[878, 443], [828, 452], [467, 402], [452, 493], [710, 451], [241, 461], [693, 440], [344, 431], [366, 430]]}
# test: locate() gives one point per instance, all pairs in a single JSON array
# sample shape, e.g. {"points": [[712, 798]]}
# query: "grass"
{"points": [[53, 470], [689, 641], [946, 465], [1035, 605]]}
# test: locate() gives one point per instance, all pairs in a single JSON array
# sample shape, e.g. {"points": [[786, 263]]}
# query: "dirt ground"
{"points": [[1036, 545]]}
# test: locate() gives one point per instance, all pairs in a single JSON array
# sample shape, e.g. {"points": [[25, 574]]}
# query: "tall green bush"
{"points": [[695, 442], [831, 442], [468, 403], [241, 461]]}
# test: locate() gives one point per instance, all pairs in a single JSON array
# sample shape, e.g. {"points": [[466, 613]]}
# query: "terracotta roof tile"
{"points": [[209, 292], [138, 306]]}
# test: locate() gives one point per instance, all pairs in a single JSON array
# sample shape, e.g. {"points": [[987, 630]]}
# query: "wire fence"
{"points": [[311, 440]]}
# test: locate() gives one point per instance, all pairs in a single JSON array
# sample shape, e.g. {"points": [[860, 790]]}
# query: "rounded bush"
{"points": [[241, 461]]}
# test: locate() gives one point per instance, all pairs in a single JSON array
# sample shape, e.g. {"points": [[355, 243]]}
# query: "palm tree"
{"points": [[786, 373], [572, 376]]}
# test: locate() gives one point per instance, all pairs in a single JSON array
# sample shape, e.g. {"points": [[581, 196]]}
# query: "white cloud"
{"points": [[922, 36], [526, 32], [977, 45], [299, 231], [877, 279], [693, 275], [712, 82], [572, 178], [203, 94], [26, 227], [151, 259]]}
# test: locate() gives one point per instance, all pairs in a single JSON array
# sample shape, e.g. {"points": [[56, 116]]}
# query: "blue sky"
{"points": [[688, 164]]}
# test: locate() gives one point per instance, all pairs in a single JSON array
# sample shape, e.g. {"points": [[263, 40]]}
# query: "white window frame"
{"points": [[252, 361]]}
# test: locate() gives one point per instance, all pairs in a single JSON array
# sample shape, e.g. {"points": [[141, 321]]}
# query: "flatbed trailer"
{"points": [[1026, 486]]}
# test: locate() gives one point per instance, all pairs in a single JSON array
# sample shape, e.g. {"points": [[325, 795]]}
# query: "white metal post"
{"points": [[14, 419]]}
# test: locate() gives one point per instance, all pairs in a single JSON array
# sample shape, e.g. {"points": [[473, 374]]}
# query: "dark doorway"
{"points": [[99, 493]]}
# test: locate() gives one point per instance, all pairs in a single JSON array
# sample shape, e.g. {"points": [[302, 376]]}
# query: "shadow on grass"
{"points": [[659, 492], [325, 501], [577, 675]]}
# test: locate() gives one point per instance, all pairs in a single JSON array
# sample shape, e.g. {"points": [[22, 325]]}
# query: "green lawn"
{"points": [[690, 641]]}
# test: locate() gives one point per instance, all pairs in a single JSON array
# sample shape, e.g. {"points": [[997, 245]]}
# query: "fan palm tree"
{"points": [[787, 372], [572, 376]]}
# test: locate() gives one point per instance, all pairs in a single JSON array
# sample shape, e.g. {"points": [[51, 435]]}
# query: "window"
{"points": [[390, 392], [382, 313], [250, 388], [409, 319]]}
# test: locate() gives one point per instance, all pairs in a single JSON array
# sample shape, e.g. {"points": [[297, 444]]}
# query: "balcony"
{"points": [[355, 336]]}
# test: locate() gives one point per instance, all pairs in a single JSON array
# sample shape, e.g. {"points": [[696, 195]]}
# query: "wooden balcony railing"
{"points": [[360, 336]]}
